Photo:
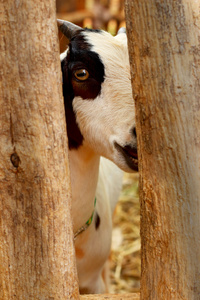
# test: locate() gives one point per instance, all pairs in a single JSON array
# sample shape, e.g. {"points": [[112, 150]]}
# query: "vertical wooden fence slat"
{"points": [[164, 51], [37, 258]]}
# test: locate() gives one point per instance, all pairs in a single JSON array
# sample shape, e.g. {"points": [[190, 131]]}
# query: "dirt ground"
{"points": [[125, 254]]}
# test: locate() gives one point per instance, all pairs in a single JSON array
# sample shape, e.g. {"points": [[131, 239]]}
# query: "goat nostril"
{"points": [[134, 132]]}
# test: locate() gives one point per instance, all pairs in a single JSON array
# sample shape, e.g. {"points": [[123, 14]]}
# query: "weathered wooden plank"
{"points": [[37, 258], [164, 54], [135, 296]]}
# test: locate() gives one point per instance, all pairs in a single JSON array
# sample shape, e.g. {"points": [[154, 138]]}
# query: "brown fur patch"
{"points": [[84, 291], [79, 253]]}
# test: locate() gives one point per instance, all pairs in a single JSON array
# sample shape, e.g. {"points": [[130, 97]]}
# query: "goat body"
{"points": [[100, 122]]}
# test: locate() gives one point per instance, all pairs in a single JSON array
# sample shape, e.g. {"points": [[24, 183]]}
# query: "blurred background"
{"points": [[104, 14], [125, 253], [96, 14]]}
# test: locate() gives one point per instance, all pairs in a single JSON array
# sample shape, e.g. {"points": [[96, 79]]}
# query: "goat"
{"points": [[100, 116]]}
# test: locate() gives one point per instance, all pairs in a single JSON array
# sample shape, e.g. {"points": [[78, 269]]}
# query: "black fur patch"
{"points": [[78, 57], [97, 221]]}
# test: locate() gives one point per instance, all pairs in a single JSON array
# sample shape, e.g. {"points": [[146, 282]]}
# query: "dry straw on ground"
{"points": [[125, 254]]}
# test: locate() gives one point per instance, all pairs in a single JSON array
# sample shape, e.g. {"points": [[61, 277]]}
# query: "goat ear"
{"points": [[67, 28], [121, 30]]}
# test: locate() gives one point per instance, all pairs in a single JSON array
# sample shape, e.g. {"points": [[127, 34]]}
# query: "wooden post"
{"points": [[36, 242], [164, 49]]}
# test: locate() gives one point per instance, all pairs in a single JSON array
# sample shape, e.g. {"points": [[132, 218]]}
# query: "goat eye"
{"points": [[81, 74]]}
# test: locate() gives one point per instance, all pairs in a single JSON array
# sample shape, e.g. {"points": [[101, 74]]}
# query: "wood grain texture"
{"points": [[36, 245], [135, 296], [165, 65]]}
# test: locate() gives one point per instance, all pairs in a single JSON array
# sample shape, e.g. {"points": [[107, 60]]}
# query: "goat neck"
{"points": [[84, 168]]}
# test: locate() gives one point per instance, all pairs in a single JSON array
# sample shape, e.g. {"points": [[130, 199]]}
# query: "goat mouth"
{"points": [[130, 155]]}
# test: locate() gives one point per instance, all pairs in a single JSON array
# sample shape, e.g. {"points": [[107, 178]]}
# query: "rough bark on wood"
{"points": [[164, 47], [134, 296], [36, 245]]}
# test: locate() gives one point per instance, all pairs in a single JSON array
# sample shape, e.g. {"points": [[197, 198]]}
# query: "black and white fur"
{"points": [[100, 122]]}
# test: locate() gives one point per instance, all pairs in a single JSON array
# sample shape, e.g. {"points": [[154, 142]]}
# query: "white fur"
{"points": [[107, 119], [111, 115]]}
